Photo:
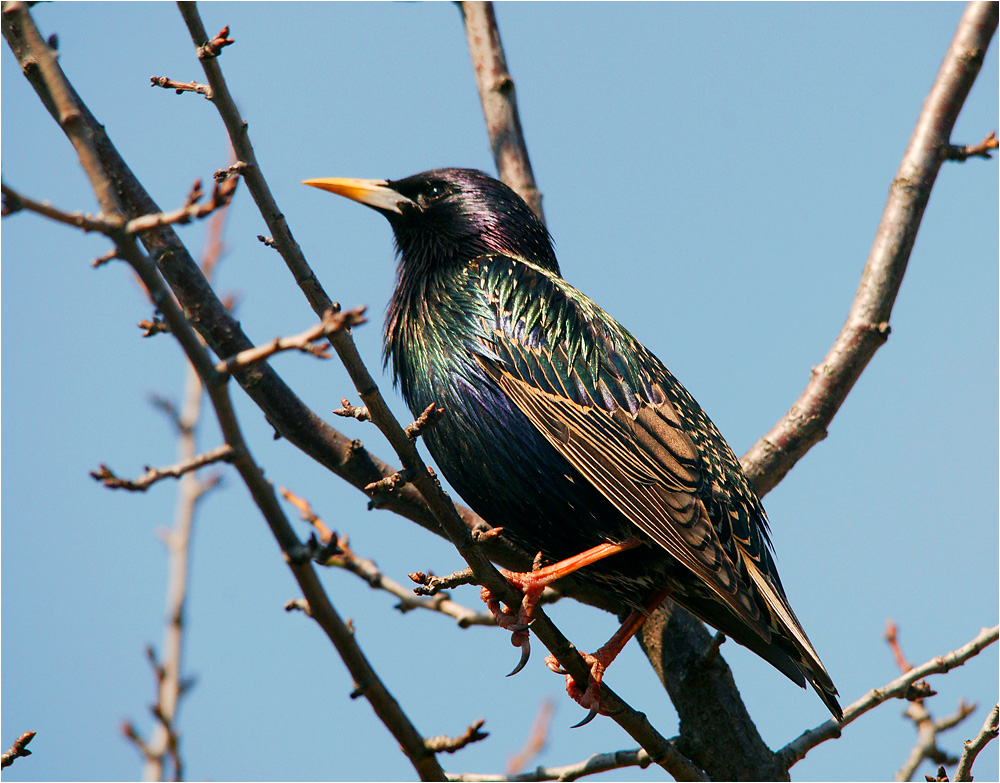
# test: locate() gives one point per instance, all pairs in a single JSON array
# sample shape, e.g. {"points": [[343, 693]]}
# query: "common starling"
{"points": [[564, 430]]}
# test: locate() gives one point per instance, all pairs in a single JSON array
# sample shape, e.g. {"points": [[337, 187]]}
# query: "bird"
{"points": [[562, 429]]}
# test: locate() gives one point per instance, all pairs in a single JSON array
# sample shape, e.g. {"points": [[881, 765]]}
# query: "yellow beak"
{"points": [[374, 193]]}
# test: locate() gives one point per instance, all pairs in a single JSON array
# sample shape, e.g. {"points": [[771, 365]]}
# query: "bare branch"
{"points": [[106, 476], [212, 48], [222, 194], [111, 255], [928, 729], [430, 584], [352, 412], [342, 556], [109, 225], [431, 416], [980, 150], [986, 735], [171, 686], [496, 93], [797, 749], [236, 169], [867, 325], [445, 744], [537, 737], [154, 327], [891, 636], [599, 762], [15, 202], [65, 105], [18, 749], [389, 484], [180, 87], [332, 323]]}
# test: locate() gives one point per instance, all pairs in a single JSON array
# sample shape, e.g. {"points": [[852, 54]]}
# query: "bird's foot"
{"points": [[532, 584], [589, 697], [517, 622]]}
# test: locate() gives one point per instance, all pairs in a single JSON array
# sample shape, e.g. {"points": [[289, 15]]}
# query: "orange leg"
{"points": [[589, 697], [532, 583]]}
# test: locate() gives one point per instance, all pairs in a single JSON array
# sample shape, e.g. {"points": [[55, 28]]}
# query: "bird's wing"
{"points": [[571, 373], [643, 465], [615, 413]]}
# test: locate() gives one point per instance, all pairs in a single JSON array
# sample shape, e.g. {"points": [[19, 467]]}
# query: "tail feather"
{"points": [[807, 659]]}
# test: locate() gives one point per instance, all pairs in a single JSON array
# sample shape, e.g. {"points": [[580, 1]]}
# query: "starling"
{"points": [[566, 431]]}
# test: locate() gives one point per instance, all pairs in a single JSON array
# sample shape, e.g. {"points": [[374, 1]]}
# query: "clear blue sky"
{"points": [[713, 175]]}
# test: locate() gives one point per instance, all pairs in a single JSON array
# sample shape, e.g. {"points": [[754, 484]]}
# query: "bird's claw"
{"points": [[517, 623], [525, 653], [589, 697], [594, 711]]}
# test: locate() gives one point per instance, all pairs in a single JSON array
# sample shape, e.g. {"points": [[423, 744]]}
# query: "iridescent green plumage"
{"points": [[562, 428]]}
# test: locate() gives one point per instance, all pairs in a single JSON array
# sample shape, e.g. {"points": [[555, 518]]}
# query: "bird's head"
{"points": [[448, 216]]}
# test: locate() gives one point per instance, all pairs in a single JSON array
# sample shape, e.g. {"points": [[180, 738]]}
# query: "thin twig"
{"points": [[331, 323], [213, 47], [986, 735], [891, 636], [153, 327], [599, 762], [980, 150], [110, 224], [537, 738], [431, 416], [797, 749], [928, 729], [85, 222], [445, 744], [222, 194], [342, 556], [18, 749], [180, 87], [430, 584], [106, 476], [171, 686], [349, 411]]}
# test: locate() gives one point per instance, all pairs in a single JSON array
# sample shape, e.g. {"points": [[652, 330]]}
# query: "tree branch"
{"points": [[342, 556], [445, 744], [972, 747], [331, 323], [928, 729], [180, 87], [105, 475], [867, 325], [170, 685], [537, 738], [897, 689], [261, 491], [496, 93], [599, 762], [17, 750], [980, 150]]}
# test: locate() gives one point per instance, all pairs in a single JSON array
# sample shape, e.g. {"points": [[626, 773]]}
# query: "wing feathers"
{"points": [[658, 497]]}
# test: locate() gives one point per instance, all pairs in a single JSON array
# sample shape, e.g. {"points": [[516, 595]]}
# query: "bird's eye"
{"points": [[435, 191]]}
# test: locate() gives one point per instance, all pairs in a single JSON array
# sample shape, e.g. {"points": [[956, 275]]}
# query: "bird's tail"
{"points": [[778, 639], [788, 628]]}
